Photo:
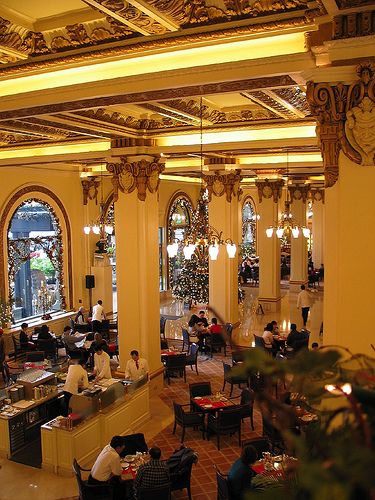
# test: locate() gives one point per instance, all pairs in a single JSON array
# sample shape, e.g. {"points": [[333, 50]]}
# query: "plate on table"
{"points": [[207, 406], [309, 417], [129, 458], [125, 465], [198, 397]]}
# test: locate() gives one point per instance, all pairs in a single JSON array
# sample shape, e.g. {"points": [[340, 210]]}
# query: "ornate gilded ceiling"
{"points": [[94, 23], [39, 37]]}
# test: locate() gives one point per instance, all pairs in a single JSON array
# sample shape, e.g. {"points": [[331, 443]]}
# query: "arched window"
{"points": [[249, 228], [179, 221], [35, 260]]}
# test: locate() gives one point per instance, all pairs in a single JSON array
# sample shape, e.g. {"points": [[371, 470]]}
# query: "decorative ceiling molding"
{"points": [[274, 104], [354, 24], [119, 119], [153, 95], [135, 47], [127, 14]]}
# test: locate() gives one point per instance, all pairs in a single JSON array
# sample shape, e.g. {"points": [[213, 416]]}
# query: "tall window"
{"points": [[248, 229], [179, 220], [35, 261]]}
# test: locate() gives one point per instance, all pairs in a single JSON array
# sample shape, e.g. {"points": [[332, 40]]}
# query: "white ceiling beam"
{"points": [[120, 18]]}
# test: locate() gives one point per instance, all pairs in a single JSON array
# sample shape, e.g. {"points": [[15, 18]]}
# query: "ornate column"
{"points": [[317, 197], [298, 250], [269, 193], [223, 216], [348, 147], [98, 263], [136, 181]]}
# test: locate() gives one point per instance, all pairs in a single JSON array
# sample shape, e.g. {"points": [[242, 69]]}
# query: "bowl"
{"points": [[129, 458]]}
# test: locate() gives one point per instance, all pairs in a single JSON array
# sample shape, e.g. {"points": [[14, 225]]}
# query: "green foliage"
{"points": [[335, 453], [43, 264]]}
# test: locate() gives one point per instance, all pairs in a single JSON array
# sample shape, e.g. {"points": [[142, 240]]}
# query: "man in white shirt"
{"points": [[107, 467], [97, 316], [136, 367], [102, 367], [304, 303], [76, 378]]}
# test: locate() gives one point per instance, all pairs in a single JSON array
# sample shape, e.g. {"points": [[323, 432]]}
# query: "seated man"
{"points": [[107, 468], [136, 367], [75, 342], [295, 339], [102, 367], [154, 473], [241, 474], [25, 341]]}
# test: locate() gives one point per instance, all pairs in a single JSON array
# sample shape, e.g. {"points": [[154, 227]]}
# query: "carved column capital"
{"points": [[218, 184], [299, 192], [345, 120], [269, 189], [142, 174], [90, 187], [317, 194]]}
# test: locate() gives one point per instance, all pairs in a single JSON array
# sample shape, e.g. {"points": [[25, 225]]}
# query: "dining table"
{"points": [[211, 403]]}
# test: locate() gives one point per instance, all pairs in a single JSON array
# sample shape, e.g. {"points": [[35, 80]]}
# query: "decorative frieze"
{"points": [[299, 192], [316, 195], [142, 175], [345, 120], [219, 184], [90, 187], [269, 189], [354, 24]]}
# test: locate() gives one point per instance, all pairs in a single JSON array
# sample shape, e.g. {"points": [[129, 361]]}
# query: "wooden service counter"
{"points": [[84, 441]]}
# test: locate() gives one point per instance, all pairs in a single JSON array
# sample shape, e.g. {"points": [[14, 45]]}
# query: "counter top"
{"points": [[34, 405]]}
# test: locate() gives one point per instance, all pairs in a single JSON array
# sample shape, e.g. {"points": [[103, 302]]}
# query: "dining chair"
{"points": [[187, 419], [162, 492], [181, 476], [246, 402], [186, 340], [227, 421], [90, 491], [192, 358], [222, 485], [233, 379], [216, 341], [49, 346], [200, 389], [163, 322], [175, 364]]}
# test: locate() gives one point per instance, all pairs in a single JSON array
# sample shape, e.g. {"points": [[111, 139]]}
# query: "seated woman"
{"points": [[44, 333], [268, 338]]}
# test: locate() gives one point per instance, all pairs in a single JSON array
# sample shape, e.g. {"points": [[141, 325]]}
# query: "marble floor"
{"points": [[23, 482]]}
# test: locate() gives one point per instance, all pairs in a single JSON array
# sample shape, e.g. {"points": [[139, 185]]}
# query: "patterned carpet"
{"points": [[203, 475]]}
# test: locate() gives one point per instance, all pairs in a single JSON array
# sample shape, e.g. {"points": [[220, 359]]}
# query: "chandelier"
{"points": [[203, 237], [102, 225], [287, 226]]}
